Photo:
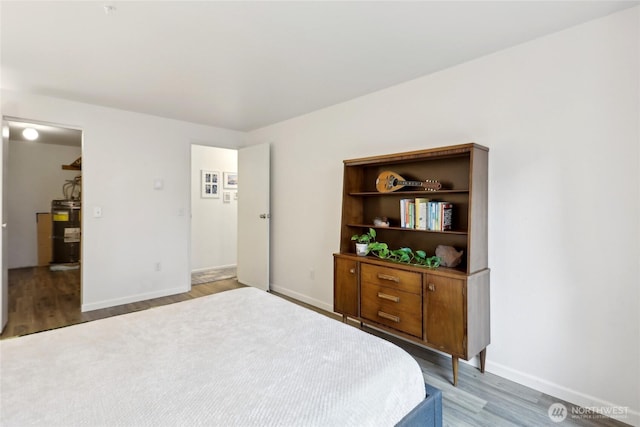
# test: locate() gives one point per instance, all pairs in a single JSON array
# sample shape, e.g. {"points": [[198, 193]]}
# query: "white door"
{"points": [[253, 216], [4, 256]]}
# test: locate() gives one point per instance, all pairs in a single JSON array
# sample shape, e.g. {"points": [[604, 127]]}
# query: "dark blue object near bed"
{"points": [[427, 413]]}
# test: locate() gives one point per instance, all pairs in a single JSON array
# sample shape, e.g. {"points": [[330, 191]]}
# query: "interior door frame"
{"points": [[190, 228], [190, 211], [4, 297]]}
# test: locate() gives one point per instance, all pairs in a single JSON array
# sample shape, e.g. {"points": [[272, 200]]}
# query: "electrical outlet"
{"points": [[158, 266]]}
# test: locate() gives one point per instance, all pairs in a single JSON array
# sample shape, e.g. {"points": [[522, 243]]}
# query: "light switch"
{"points": [[97, 212], [158, 184]]}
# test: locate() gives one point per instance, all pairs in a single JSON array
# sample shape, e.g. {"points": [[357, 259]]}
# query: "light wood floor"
{"points": [[41, 300]]}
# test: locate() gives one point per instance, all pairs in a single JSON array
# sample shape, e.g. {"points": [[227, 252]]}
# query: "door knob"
{"points": [[4, 225], [265, 216]]}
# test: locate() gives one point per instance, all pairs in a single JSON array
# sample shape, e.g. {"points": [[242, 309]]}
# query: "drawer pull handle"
{"points": [[431, 287], [389, 316], [389, 297], [388, 277], [352, 270]]}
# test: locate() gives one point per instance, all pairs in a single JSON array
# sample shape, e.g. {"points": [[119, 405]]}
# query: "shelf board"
{"points": [[76, 165], [463, 233], [444, 271], [407, 193]]}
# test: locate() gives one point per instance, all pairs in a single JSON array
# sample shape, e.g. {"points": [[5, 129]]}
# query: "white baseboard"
{"points": [[300, 297], [197, 270], [133, 298], [631, 416]]}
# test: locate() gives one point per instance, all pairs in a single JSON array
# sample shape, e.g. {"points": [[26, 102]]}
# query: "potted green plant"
{"points": [[363, 241]]}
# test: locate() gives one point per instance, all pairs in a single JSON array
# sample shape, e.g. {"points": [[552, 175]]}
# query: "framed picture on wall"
{"points": [[230, 180], [209, 184]]}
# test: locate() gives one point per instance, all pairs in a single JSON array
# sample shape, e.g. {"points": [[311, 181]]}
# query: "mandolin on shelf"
{"points": [[389, 181]]}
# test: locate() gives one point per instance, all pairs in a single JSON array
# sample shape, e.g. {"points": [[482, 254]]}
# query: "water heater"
{"points": [[65, 215]]}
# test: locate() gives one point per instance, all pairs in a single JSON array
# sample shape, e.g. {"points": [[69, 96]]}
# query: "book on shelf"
{"points": [[421, 213], [439, 216], [424, 214], [412, 215], [407, 213], [446, 216], [431, 215]]}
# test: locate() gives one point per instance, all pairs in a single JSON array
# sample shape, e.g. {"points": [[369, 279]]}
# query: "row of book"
{"points": [[425, 214]]}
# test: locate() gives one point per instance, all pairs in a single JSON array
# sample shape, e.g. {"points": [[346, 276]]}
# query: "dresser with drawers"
{"points": [[439, 309]]}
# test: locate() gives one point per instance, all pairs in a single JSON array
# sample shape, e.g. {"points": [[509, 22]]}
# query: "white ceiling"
{"points": [[244, 65], [47, 133]]}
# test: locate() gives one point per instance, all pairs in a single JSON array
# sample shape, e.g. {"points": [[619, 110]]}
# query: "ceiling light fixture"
{"points": [[109, 9], [30, 133]]}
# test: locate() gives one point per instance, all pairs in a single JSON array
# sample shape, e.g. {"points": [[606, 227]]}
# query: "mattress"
{"points": [[238, 358]]}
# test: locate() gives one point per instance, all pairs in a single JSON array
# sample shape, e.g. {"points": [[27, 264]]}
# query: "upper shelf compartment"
{"points": [[462, 172], [449, 167], [421, 193]]}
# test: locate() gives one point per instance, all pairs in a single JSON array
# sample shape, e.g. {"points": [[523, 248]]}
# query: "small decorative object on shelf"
{"points": [[449, 256], [390, 181], [381, 221]]}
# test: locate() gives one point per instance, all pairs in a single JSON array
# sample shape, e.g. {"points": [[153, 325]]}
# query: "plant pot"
{"points": [[362, 249]]}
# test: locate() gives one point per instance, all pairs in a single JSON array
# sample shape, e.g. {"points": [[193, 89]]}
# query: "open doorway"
{"points": [[43, 193], [214, 213]]}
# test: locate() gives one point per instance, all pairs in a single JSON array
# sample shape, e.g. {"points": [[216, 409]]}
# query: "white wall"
{"points": [[123, 154], [214, 224], [35, 177], [561, 117]]}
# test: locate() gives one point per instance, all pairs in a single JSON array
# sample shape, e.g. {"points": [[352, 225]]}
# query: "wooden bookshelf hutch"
{"points": [[446, 309]]}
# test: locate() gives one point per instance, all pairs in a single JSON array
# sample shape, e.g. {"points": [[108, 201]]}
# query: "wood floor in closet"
{"points": [[40, 299]]}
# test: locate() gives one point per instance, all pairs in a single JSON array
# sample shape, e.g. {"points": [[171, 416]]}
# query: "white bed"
{"points": [[237, 358]]}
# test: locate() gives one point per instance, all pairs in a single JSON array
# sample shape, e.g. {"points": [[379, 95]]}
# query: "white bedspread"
{"points": [[237, 358]]}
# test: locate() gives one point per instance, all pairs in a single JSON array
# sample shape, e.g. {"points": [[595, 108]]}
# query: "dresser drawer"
{"points": [[390, 277], [392, 307]]}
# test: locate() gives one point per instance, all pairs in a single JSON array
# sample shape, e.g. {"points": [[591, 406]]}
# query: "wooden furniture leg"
{"points": [[483, 358], [454, 362], [344, 318]]}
